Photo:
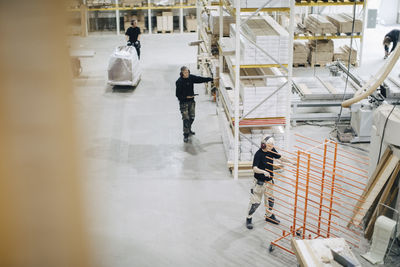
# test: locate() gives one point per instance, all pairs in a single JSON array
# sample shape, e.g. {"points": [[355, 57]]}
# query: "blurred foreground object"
{"points": [[41, 203]]}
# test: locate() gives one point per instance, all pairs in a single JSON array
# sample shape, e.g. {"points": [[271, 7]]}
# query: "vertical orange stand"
{"points": [[320, 191]]}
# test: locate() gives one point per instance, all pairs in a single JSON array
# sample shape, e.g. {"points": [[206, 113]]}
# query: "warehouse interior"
{"points": [[95, 171]]}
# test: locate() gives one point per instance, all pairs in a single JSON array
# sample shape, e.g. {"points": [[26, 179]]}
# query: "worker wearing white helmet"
{"points": [[263, 180]]}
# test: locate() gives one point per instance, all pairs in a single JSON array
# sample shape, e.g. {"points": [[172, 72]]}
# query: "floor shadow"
{"points": [[122, 89]]}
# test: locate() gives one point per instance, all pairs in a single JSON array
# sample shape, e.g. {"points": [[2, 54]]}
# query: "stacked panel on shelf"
{"points": [[267, 34], [321, 52], [300, 53], [344, 23], [250, 140], [259, 3], [214, 22], [318, 24], [253, 91]]}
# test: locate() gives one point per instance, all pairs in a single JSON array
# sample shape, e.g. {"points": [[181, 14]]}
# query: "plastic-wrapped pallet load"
{"points": [[124, 67]]}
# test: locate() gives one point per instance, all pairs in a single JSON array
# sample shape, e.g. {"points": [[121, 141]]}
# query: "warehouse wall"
{"points": [[387, 12]]}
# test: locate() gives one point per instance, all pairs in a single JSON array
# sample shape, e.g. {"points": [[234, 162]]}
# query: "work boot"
{"points": [[272, 219], [185, 138], [249, 225]]}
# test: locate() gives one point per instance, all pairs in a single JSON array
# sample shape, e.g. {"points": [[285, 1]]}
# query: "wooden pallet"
{"points": [[309, 34], [304, 65], [164, 31], [318, 64]]}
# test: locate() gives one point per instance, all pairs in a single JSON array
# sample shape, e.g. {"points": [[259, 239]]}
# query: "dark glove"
{"points": [[128, 43], [137, 44], [268, 177]]}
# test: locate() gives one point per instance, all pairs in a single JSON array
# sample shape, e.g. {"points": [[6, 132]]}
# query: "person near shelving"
{"points": [[185, 95], [263, 182], [390, 37], [133, 36]]}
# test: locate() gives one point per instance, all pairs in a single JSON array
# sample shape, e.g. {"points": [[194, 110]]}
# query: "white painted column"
{"points": [[290, 74], [181, 16], [364, 25], [220, 39], [237, 89], [117, 16], [149, 16]]}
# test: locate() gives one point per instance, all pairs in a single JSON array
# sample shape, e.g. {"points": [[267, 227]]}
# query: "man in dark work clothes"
{"points": [[391, 37], [133, 36]]}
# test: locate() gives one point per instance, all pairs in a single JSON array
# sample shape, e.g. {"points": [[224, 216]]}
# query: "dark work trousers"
{"points": [[188, 111], [137, 51]]}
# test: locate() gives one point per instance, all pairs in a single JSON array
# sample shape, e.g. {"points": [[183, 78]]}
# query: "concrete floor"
{"points": [[153, 200]]}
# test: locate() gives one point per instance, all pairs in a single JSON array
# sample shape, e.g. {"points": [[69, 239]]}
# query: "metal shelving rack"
{"points": [[150, 6], [337, 3], [234, 11]]}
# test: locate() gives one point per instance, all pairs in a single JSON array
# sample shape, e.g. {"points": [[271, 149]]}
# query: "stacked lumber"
{"points": [[318, 24], [344, 22], [165, 22], [140, 21], [267, 34], [321, 52], [98, 3], [300, 53], [191, 23], [259, 3], [342, 54], [214, 22], [381, 188], [131, 3]]}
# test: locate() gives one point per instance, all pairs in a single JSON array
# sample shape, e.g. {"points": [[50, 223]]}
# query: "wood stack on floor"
{"points": [[321, 52], [318, 24], [300, 54], [343, 53], [165, 22], [381, 188], [191, 23], [344, 23]]}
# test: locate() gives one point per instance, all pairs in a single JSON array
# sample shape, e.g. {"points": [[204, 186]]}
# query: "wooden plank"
{"points": [[384, 159], [375, 189], [304, 89], [378, 168], [328, 86]]}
